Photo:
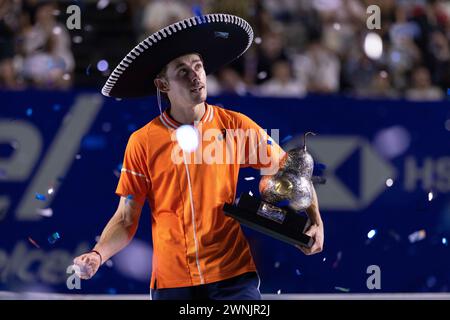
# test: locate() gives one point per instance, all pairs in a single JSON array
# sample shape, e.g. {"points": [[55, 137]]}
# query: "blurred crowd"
{"points": [[300, 46]]}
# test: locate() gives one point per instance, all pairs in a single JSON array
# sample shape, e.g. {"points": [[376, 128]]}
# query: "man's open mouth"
{"points": [[197, 89]]}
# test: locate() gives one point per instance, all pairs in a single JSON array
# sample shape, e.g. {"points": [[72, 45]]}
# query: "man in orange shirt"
{"points": [[186, 163]]}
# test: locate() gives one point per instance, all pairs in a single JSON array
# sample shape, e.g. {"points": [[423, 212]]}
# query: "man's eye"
{"points": [[182, 71]]}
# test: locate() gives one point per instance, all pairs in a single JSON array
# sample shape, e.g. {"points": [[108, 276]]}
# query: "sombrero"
{"points": [[218, 38]]}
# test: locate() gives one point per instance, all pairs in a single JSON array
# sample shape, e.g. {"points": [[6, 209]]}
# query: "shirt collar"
{"points": [[171, 123]]}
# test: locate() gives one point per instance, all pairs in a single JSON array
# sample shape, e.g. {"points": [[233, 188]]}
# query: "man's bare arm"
{"points": [[119, 231], [313, 210], [316, 228]]}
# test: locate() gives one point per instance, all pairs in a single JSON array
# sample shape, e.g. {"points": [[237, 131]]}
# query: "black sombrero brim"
{"points": [[218, 38]]}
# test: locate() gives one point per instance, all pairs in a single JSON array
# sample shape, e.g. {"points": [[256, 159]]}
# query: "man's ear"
{"points": [[161, 84]]}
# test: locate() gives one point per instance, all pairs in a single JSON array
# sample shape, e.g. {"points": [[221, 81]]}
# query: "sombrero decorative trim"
{"points": [[219, 38]]}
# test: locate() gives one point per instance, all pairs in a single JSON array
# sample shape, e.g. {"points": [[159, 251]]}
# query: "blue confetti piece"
{"points": [[2, 173], [54, 237], [119, 167], [88, 70], [287, 138], [56, 107], [448, 91], [112, 291], [93, 142], [40, 197], [29, 112], [269, 141], [197, 10], [129, 197], [342, 289], [132, 127]]}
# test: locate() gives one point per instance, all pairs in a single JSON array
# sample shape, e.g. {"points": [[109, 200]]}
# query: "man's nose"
{"points": [[194, 75]]}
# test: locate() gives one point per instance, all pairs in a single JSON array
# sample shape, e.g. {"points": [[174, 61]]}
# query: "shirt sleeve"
{"points": [[260, 150], [134, 179]]}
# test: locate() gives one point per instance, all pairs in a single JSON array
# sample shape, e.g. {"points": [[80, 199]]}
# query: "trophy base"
{"points": [[280, 223]]}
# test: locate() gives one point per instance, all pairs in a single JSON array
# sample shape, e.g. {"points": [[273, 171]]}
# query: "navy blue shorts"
{"points": [[242, 287]]}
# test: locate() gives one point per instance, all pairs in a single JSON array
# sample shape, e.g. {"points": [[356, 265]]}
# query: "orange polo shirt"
{"points": [[193, 241]]}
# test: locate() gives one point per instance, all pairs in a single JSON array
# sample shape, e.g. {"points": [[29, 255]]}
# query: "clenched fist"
{"points": [[88, 264]]}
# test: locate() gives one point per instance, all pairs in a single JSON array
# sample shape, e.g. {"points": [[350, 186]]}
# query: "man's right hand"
{"points": [[88, 264]]}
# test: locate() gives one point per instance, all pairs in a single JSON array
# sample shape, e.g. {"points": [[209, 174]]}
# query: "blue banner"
{"points": [[385, 203]]}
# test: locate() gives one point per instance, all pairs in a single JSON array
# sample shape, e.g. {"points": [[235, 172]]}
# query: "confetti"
{"points": [[50, 191], [3, 174], [430, 196], [121, 7], [297, 272], [258, 40], [102, 4], [197, 10], [88, 70], [394, 235], [53, 238], [47, 212], [129, 197], [250, 193], [106, 127], [132, 127], [56, 107], [448, 91], [342, 289], [324, 259], [29, 112], [78, 156], [112, 291], [77, 39], [444, 241], [431, 281], [279, 291], [287, 138], [389, 182], [447, 124], [338, 259], [33, 242], [371, 233], [249, 178], [417, 236], [277, 264], [109, 263], [102, 65], [40, 197], [262, 75]]}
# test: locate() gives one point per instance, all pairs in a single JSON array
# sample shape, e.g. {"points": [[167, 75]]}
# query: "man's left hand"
{"points": [[315, 231]]}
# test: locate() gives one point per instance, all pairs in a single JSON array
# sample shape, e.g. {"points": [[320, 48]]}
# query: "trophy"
{"points": [[285, 197]]}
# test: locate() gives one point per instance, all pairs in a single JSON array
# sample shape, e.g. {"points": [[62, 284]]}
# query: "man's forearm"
{"points": [[116, 235], [313, 210]]}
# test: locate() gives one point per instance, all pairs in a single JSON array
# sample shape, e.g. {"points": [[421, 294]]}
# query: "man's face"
{"points": [[186, 80]]}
